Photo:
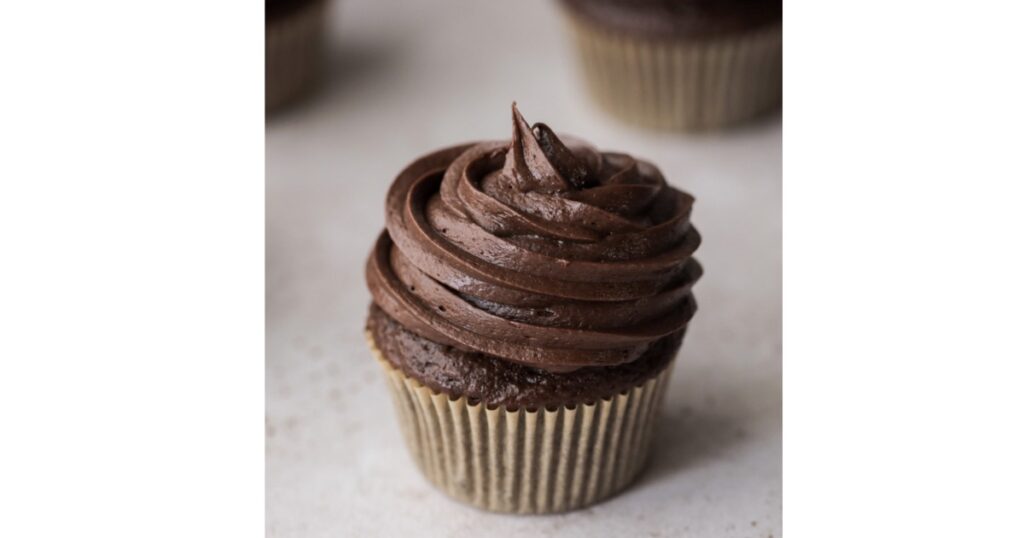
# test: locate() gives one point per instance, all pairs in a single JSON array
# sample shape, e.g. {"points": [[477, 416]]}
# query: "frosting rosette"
{"points": [[541, 250]]}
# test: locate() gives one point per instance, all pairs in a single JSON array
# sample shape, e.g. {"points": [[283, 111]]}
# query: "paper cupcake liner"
{"points": [[293, 52], [681, 84], [526, 461]]}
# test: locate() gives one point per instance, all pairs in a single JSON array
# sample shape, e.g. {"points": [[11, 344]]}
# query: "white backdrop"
{"points": [[409, 77]]}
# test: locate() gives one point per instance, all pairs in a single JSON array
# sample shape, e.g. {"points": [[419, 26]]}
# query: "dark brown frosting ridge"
{"points": [[541, 252]]}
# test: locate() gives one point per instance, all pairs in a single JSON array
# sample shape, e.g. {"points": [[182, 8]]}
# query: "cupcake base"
{"points": [[683, 84], [293, 43], [524, 460]]}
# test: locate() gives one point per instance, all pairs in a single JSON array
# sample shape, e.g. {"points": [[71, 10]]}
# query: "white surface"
{"points": [[410, 77]]}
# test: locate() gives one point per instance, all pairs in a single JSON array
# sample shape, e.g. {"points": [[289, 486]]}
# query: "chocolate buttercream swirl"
{"points": [[541, 252]]}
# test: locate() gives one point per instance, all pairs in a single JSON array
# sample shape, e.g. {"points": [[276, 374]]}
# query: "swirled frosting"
{"points": [[540, 251]]}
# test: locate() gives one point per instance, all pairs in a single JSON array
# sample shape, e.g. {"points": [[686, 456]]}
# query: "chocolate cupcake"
{"points": [[680, 64], [294, 34], [529, 297]]}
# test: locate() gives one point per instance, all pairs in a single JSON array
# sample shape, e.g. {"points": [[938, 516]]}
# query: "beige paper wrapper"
{"points": [[293, 53], [690, 85], [527, 462]]}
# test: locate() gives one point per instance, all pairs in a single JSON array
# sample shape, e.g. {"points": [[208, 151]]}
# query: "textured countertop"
{"points": [[409, 77]]}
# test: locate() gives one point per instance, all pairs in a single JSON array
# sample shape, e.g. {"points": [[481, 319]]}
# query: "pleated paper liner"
{"points": [[524, 461], [689, 85], [293, 45]]}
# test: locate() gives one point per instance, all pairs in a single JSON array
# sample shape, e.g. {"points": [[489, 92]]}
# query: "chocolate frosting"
{"points": [[679, 18], [546, 253]]}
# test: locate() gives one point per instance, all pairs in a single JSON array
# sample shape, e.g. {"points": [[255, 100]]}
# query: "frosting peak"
{"points": [[537, 251], [539, 161]]}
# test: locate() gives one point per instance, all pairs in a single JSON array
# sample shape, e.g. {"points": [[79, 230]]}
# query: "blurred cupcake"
{"points": [[294, 33], [529, 298], [680, 64]]}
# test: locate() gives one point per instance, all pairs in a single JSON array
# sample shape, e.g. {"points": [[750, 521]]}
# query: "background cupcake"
{"points": [[294, 35], [680, 64], [528, 300]]}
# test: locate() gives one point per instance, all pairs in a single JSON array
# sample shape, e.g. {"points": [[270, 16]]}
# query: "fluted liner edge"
{"points": [[526, 461], [681, 84], [293, 53]]}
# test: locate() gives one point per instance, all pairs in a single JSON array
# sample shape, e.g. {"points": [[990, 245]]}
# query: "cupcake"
{"points": [[529, 298], [294, 33], [680, 64]]}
